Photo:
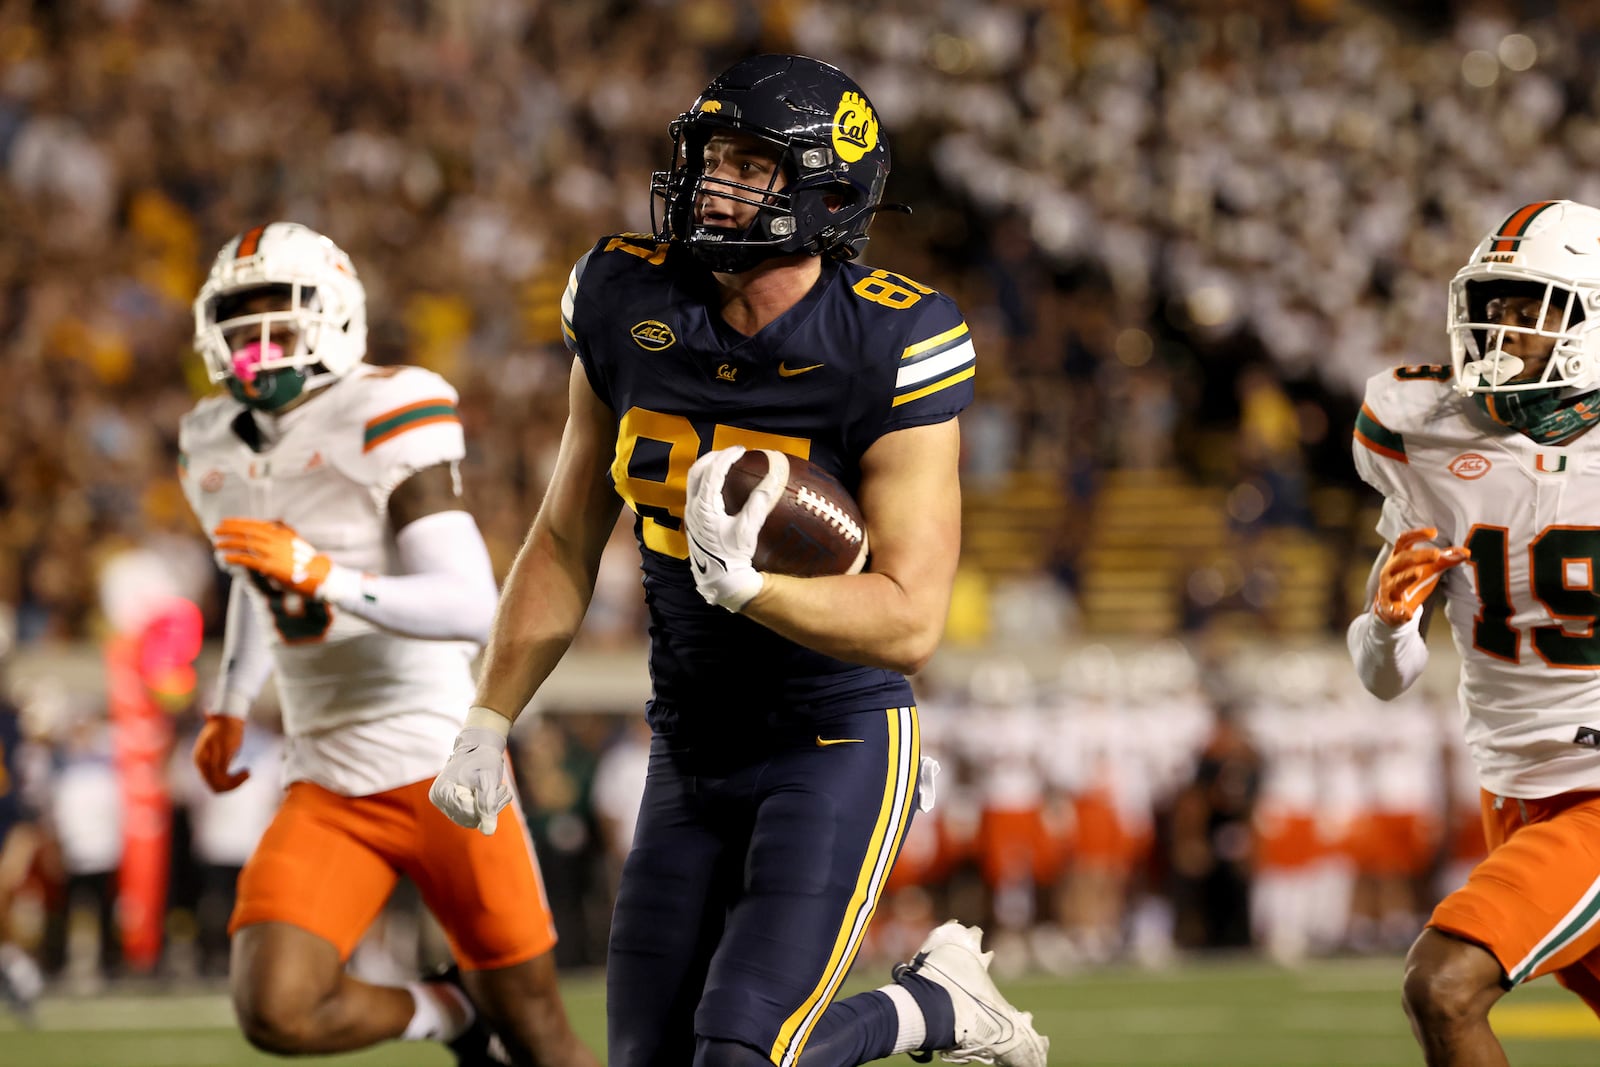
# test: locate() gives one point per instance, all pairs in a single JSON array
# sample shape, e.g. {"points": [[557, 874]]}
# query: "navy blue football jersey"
{"points": [[12, 808], [864, 353]]}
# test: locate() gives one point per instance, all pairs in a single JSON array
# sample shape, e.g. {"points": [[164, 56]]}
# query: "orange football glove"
{"points": [[1410, 574], [273, 549], [214, 750]]}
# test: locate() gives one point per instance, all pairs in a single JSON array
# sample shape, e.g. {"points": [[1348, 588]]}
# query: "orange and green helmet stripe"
{"points": [[1378, 437], [1510, 233]]}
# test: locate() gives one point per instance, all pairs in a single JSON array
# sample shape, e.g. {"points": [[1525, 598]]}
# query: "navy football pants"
{"points": [[750, 886]]}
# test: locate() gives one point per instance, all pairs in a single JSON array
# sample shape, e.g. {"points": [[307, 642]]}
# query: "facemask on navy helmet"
{"points": [[832, 163]]}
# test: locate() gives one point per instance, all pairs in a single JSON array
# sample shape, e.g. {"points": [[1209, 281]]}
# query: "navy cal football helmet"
{"points": [[832, 153]]}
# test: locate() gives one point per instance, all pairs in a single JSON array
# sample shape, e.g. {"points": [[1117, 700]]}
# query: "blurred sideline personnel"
{"points": [[332, 492], [785, 762], [1492, 457]]}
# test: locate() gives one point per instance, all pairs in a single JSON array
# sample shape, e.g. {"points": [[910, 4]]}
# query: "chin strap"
{"points": [[1542, 416]]}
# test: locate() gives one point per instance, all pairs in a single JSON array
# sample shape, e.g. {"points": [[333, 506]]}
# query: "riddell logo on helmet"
{"points": [[1469, 466], [855, 128]]}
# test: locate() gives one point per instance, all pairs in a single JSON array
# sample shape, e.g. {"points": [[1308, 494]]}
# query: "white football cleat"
{"points": [[988, 1029]]}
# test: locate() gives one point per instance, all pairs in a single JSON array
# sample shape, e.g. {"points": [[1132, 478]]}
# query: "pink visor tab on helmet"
{"points": [[246, 360]]}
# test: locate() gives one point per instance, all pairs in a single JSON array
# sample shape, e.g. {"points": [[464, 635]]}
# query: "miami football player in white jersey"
{"points": [[1490, 462], [330, 491]]}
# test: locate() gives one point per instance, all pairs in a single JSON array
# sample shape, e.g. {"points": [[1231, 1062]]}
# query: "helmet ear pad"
{"points": [[824, 209]]}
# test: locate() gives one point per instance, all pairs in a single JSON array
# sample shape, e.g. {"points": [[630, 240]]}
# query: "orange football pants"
{"points": [[1100, 842], [1534, 902], [328, 862], [1392, 844], [1016, 845]]}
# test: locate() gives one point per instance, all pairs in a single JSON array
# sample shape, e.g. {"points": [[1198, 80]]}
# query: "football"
{"points": [[816, 527]]}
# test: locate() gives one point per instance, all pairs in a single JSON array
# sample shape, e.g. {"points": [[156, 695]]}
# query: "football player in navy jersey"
{"points": [[785, 763], [20, 979]]}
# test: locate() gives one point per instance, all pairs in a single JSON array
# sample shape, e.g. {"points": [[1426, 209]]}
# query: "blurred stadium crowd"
{"points": [[1183, 233]]}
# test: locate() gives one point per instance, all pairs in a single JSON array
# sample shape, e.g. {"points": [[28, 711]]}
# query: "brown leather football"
{"points": [[816, 527]]}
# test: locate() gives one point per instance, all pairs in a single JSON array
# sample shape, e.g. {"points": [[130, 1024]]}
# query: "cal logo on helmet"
{"points": [[855, 128], [653, 335]]}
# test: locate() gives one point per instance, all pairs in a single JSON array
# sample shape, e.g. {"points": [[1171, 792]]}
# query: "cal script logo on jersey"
{"points": [[652, 335], [855, 128], [1469, 466]]}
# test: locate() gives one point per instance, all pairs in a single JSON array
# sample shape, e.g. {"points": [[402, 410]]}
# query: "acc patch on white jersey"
{"points": [[364, 709], [1523, 610]]}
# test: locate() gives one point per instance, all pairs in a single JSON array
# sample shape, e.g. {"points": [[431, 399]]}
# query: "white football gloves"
{"points": [[471, 788], [721, 545]]}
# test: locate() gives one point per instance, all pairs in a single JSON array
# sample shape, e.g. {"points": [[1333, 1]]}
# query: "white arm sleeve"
{"points": [[246, 656], [445, 591], [1388, 658]]}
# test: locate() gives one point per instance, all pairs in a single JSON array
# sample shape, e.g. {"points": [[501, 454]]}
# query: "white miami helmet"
{"points": [[321, 301], [1549, 250]]}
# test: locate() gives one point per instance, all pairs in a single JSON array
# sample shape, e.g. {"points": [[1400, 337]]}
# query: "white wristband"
{"points": [[342, 586], [482, 718], [234, 704]]}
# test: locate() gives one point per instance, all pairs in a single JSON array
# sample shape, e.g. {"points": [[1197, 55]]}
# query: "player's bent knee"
{"points": [[277, 1013], [272, 1024], [280, 977], [712, 1052], [1449, 981]]}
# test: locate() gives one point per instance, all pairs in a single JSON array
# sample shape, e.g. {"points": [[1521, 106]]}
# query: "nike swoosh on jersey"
{"points": [[786, 371], [824, 742]]}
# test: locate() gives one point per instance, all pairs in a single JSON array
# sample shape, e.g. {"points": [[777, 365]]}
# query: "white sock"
{"points": [[21, 971], [913, 1027], [442, 1014]]}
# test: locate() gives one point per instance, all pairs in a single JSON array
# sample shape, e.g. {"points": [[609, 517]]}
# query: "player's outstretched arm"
{"points": [[543, 602], [246, 662], [893, 614], [1386, 642]]}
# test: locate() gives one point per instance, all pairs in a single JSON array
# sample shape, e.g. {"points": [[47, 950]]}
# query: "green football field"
{"points": [[1244, 1014]]}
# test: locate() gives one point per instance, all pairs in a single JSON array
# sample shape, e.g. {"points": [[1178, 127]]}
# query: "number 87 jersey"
{"points": [[1523, 609], [864, 353]]}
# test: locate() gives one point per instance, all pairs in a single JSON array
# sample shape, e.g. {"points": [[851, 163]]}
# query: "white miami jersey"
{"points": [[364, 710], [1523, 609]]}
